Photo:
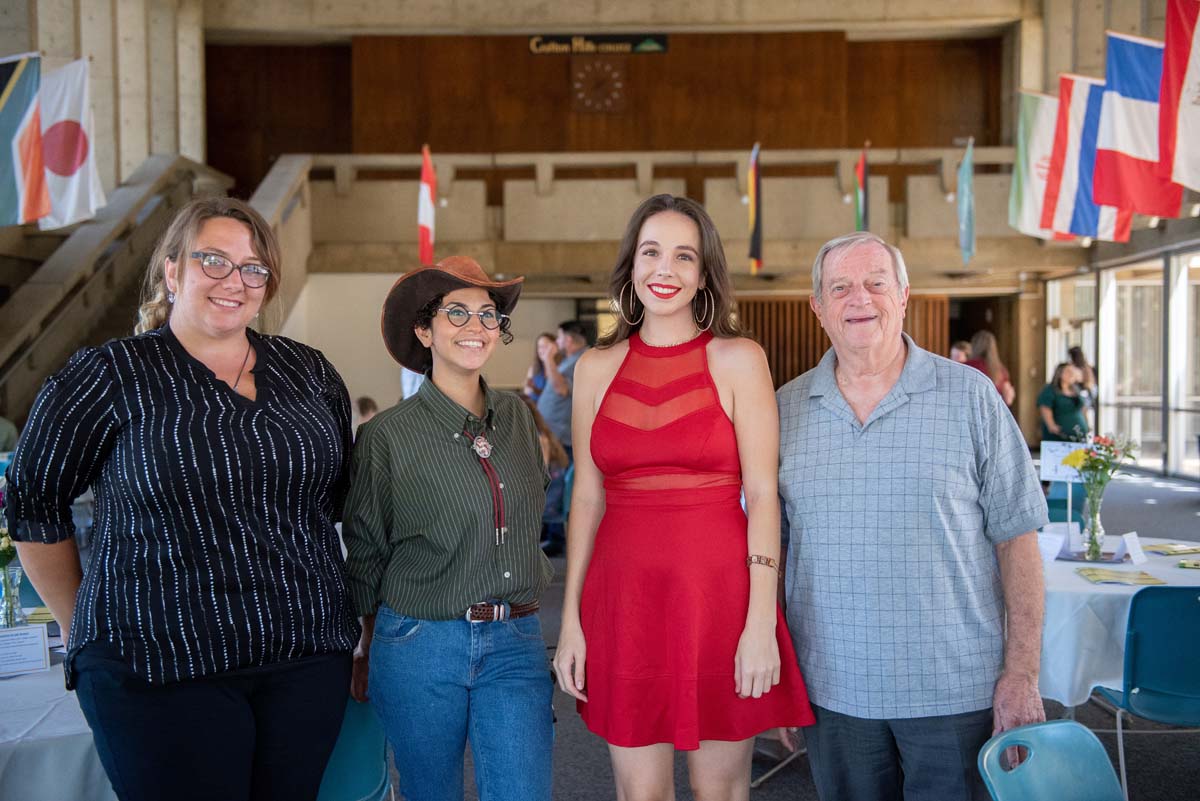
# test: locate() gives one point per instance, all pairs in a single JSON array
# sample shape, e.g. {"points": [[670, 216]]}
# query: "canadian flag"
{"points": [[1179, 102], [67, 152], [425, 208]]}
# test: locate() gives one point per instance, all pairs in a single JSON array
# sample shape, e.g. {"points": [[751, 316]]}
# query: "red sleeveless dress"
{"points": [[665, 597]]}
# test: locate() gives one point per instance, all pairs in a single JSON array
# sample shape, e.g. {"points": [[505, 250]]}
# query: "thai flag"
{"points": [[1179, 110], [1068, 207], [1127, 151], [425, 209]]}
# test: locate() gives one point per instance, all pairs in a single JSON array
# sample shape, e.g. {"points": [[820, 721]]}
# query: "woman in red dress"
{"points": [[672, 636]]}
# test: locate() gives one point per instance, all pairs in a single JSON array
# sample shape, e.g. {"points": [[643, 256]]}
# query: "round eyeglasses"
{"points": [[458, 317], [216, 266]]}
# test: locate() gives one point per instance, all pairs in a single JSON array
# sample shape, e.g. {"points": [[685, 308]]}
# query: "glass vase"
{"points": [[11, 612], [1093, 534]]}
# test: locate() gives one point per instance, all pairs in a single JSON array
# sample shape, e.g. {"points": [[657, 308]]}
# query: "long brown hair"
{"points": [[984, 348], [721, 315], [176, 244]]}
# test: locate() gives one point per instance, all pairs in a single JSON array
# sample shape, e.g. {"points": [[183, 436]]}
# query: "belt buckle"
{"points": [[500, 611]]}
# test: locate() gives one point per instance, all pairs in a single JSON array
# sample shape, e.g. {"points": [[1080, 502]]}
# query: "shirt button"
{"points": [[501, 486], [507, 574], [456, 436]]}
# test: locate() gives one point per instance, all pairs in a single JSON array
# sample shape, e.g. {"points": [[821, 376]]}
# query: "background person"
{"points": [[985, 357], [1061, 407], [209, 641], [960, 352], [555, 404], [535, 377], [672, 636], [441, 529]]}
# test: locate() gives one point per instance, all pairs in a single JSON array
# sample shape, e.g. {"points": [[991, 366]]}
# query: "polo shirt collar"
{"points": [[918, 375], [449, 414]]}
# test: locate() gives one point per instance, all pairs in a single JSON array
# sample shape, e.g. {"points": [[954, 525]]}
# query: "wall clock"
{"points": [[598, 84]]}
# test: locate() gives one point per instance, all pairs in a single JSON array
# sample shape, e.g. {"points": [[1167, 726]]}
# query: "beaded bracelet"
{"points": [[759, 559]]}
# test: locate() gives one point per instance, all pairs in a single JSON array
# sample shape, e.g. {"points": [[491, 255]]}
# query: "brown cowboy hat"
{"points": [[416, 288]]}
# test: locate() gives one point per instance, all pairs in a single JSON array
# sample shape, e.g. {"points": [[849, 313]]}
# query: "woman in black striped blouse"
{"points": [[210, 635]]}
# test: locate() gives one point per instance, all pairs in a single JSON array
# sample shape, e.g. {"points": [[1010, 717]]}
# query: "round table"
{"points": [[1083, 639], [46, 747]]}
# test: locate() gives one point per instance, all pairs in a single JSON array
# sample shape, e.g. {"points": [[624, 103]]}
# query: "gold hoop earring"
{"points": [[620, 304], [710, 308]]}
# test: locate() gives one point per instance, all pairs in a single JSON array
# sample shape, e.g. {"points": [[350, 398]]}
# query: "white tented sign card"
{"points": [[24, 650], [1057, 539], [1052, 467], [1130, 544]]}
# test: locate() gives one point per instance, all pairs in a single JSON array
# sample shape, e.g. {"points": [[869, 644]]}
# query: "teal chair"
{"points": [[1056, 503], [358, 767], [1064, 762], [1162, 663]]}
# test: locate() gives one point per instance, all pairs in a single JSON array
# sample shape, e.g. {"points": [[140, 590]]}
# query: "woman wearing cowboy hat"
{"points": [[442, 526]]}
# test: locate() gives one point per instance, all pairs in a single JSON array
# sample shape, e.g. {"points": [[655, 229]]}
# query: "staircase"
{"points": [[64, 290]]}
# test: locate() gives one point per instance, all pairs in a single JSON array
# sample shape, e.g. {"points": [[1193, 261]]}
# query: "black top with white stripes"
{"points": [[214, 545]]}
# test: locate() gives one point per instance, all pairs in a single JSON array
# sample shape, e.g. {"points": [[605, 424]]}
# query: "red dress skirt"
{"points": [[665, 597]]}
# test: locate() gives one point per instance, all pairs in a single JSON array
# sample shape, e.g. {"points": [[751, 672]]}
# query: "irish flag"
{"points": [[23, 193]]}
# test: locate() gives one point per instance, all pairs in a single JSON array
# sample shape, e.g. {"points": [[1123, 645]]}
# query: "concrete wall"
{"points": [[386, 211], [231, 17], [339, 315], [146, 70]]}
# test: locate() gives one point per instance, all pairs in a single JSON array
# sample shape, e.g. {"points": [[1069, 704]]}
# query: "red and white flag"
{"points": [[425, 207], [67, 152], [1179, 102], [1126, 173]]}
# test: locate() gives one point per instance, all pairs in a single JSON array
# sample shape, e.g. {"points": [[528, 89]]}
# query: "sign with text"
{"points": [[24, 650], [1052, 467], [614, 44]]}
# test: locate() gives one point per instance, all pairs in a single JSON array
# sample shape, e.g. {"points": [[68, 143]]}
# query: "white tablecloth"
{"points": [[46, 747], [1083, 642]]}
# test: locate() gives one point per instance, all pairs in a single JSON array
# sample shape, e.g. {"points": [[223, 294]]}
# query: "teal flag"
{"points": [[966, 203]]}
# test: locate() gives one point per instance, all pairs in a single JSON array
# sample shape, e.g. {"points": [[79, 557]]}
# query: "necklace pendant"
{"points": [[482, 448]]}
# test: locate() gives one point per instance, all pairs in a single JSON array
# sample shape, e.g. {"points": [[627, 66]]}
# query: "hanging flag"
{"points": [[425, 207], [1068, 207], [966, 202], [1127, 149], [71, 173], [754, 192], [862, 194], [23, 194], [1035, 140], [1179, 106]]}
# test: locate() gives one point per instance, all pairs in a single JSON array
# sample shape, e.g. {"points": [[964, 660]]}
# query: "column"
{"points": [[16, 27], [133, 94], [189, 34], [96, 44]]}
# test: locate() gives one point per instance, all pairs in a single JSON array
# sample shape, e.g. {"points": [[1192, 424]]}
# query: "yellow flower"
{"points": [[1075, 458]]}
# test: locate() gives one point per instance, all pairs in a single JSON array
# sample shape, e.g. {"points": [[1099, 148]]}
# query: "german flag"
{"points": [[24, 196], [754, 192]]}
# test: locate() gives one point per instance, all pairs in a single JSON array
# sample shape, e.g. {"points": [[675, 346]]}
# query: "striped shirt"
{"points": [[214, 545], [424, 508]]}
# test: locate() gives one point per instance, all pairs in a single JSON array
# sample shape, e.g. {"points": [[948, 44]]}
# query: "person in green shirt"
{"points": [[1061, 406], [441, 526]]}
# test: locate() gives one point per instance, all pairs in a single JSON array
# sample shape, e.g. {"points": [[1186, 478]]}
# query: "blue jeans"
{"points": [[914, 759], [438, 683]]}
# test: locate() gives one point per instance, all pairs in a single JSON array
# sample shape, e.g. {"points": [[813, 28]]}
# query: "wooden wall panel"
{"points": [[263, 101], [794, 340]]}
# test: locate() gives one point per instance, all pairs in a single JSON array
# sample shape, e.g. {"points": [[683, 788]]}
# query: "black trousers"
{"points": [[247, 735]]}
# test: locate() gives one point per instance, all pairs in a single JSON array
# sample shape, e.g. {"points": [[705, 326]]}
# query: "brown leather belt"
{"points": [[492, 613]]}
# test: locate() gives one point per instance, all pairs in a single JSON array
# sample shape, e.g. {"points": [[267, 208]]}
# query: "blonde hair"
{"points": [[176, 244]]}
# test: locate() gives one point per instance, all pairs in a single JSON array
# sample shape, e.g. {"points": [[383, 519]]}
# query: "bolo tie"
{"points": [[483, 450]]}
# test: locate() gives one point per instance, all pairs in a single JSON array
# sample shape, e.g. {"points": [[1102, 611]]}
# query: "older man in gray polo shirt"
{"points": [[914, 584]]}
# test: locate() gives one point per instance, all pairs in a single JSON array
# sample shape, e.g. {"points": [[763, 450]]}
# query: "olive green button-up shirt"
{"points": [[421, 518]]}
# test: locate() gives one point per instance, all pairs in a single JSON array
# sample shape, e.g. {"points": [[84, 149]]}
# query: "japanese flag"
{"points": [[70, 160]]}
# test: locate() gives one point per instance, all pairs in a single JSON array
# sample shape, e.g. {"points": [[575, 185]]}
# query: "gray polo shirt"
{"points": [[893, 590], [555, 408]]}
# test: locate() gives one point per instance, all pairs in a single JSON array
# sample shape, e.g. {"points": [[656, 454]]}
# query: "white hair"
{"points": [[849, 242]]}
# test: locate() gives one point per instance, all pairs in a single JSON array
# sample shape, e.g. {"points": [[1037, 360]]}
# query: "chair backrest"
{"points": [[1058, 492], [1162, 655], [357, 769], [1065, 762]]}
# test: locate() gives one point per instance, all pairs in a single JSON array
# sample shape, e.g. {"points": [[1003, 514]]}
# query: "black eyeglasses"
{"points": [[216, 266], [458, 317]]}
